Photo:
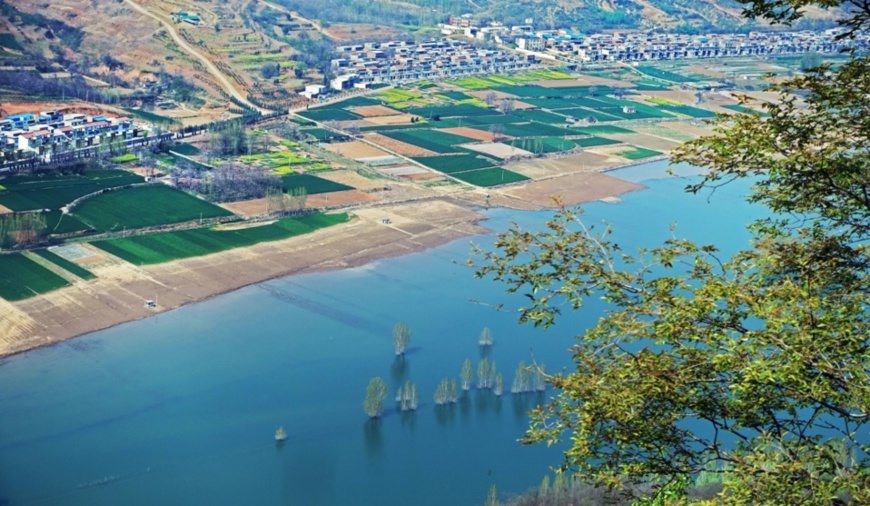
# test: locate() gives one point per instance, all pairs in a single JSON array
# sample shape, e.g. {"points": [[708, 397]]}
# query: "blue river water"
{"points": [[181, 408]]}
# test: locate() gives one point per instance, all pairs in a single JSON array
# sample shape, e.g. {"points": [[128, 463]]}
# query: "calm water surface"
{"points": [[181, 408]]}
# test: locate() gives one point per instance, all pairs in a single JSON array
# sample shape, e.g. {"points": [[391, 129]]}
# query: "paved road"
{"points": [[212, 69]]}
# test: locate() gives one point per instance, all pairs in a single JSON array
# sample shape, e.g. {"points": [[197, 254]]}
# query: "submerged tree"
{"points": [[767, 350], [401, 337], [466, 374], [485, 374], [407, 397], [376, 392], [485, 338], [442, 392]]}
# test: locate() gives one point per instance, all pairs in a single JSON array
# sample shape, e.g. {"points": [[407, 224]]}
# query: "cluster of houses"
{"points": [[52, 130], [361, 65], [602, 47]]}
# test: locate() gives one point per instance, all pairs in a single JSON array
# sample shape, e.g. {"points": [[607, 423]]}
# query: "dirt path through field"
{"points": [[212, 69]]}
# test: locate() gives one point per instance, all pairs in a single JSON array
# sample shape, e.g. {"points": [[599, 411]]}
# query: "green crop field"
{"points": [[743, 108], [447, 111], [449, 164], [433, 140], [166, 246], [53, 191], [501, 119], [322, 134], [329, 115], [543, 144], [581, 113], [312, 184], [21, 278], [688, 110], [125, 158], [535, 130], [58, 223], [663, 74], [637, 153], [455, 95], [7, 40], [144, 206], [594, 141], [65, 264], [185, 149], [603, 129], [542, 117], [489, 177]]}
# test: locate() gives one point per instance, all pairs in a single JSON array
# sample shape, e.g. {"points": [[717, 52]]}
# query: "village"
{"points": [[25, 134]]}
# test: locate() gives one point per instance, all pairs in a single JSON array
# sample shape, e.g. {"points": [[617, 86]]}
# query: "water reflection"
{"points": [[400, 370], [523, 403], [485, 351], [373, 437], [409, 420], [445, 414]]}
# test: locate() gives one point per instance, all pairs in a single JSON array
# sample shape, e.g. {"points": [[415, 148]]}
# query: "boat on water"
{"points": [[280, 434]]}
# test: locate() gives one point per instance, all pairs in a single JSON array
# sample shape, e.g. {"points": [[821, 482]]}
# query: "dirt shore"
{"points": [[425, 219], [119, 293]]}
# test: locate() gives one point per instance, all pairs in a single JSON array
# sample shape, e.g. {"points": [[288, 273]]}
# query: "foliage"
{"points": [[758, 363], [21, 228], [401, 337], [466, 374], [376, 392], [230, 182]]}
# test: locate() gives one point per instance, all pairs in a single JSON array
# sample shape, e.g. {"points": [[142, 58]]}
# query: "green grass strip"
{"points": [[22, 278], [65, 264], [167, 246]]}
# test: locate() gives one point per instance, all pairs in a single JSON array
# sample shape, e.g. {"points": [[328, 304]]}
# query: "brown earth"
{"points": [[572, 189], [473, 133], [342, 198], [374, 110], [355, 149], [4, 209], [584, 162], [120, 290], [646, 141], [402, 148], [395, 119]]}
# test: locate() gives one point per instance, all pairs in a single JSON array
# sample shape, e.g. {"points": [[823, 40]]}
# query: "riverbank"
{"points": [[379, 231]]}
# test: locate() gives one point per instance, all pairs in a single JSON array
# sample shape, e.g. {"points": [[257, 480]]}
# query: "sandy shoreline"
{"points": [[119, 292]]}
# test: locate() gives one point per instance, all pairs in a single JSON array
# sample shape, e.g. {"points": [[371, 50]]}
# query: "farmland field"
{"points": [[21, 278], [489, 177], [185, 149], [603, 129], [312, 184], [534, 130], [541, 116], [58, 223], [166, 246], [689, 111], [449, 164], [663, 74], [7, 40], [144, 206], [329, 115], [594, 141], [65, 264], [543, 144], [53, 191], [446, 111], [637, 153], [433, 140], [322, 134]]}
